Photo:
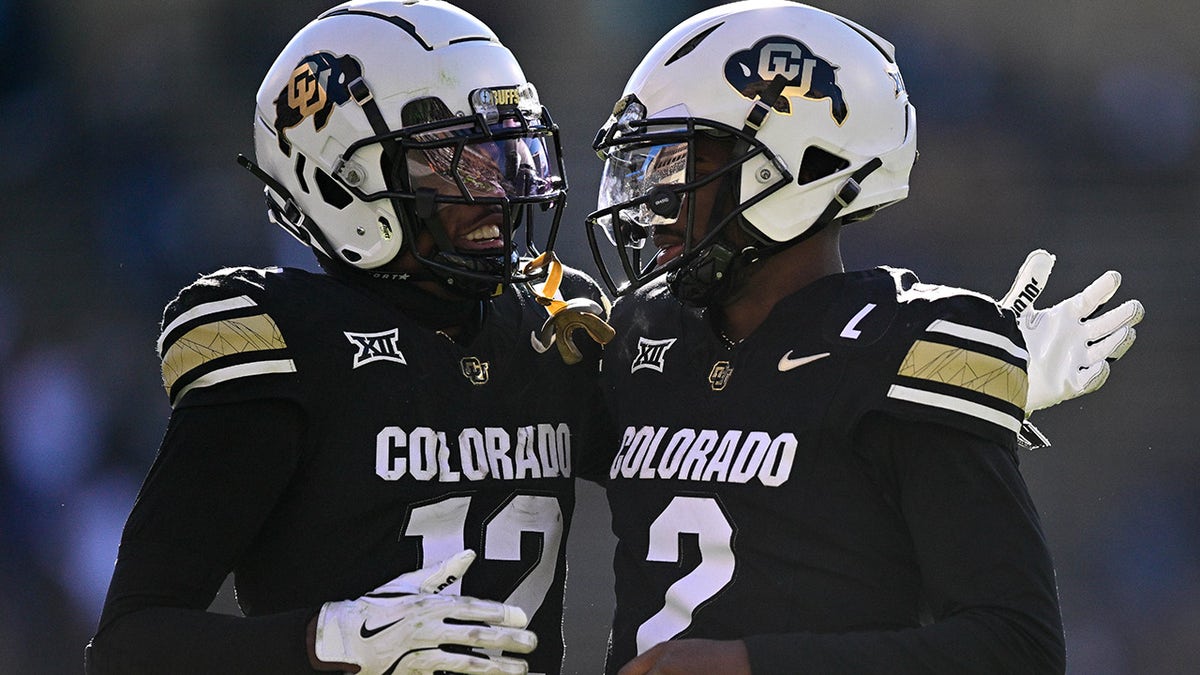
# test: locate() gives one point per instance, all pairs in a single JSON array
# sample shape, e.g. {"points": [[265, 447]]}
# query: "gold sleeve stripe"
{"points": [[203, 310], [214, 340], [967, 369], [234, 372], [978, 335], [973, 409]]}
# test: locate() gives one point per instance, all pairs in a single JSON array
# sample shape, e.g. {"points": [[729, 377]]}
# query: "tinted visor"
{"points": [[633, 172], [509, 161]]}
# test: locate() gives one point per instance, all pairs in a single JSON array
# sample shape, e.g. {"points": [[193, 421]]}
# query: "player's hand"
{"points": [[403, 627], [687, 657], [1069, 349]]}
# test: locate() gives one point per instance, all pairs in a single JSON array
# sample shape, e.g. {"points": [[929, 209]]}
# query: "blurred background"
{"points": [[1073, 126]]}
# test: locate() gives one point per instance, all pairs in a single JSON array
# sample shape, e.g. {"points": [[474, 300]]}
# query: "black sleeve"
{"points": [[592, 448], [217, 476], [594, 451], [987, 574]]}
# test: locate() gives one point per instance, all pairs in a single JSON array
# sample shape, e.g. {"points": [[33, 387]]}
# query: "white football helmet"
{"points": [[377, 114], [813, 107]]}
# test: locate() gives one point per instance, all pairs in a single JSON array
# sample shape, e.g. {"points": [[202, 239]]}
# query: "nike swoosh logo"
{"points": [[786, 362], [367, 633]]}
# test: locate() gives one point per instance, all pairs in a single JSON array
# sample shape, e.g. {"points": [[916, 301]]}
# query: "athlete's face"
{"points": [[469, 227], [487, 170], [712, 153]]}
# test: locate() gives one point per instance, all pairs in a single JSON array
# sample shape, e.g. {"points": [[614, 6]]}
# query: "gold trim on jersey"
{"points": [[978, 335], [229, 304], [211, 341], [966, 369]]}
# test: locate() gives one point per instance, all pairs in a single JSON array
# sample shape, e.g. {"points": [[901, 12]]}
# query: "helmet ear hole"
{"points": [[333, 194], [298, 168], [817, 164]]}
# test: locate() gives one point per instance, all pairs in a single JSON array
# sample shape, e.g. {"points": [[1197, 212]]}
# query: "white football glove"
{"points": [[1069, 350], [401, 627]]}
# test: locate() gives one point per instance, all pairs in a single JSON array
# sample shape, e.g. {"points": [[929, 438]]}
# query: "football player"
{"points": [[348, 444], [817, 471], [378, 453]]}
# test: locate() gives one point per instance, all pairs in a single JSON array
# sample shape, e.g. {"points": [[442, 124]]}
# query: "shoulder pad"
{"points": [[218, 329], [954, 357]]}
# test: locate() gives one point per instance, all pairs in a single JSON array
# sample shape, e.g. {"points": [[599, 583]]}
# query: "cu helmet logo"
{"points": [[317, 84], [807, 75]]}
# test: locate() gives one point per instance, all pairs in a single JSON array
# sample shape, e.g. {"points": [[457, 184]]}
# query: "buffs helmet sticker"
{"points": [[317, 84], [808, 75]]}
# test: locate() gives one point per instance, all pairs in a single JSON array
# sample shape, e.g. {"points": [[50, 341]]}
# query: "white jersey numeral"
{"points": [[502, 541], [703, 517], [850, 331], [441, 525]]}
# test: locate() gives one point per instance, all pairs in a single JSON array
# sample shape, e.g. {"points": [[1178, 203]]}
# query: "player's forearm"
{"points": [[987, 574], [186, 642]]}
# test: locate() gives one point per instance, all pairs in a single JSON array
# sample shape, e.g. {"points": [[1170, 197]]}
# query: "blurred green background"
{"points": [[1073, 126]]}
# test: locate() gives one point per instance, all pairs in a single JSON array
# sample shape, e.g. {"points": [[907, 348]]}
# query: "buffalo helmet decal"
{"points": [[318, 83], [807, 75]]}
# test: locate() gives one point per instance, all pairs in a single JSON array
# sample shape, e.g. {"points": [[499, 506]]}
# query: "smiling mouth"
{"points": [[484, 236]]}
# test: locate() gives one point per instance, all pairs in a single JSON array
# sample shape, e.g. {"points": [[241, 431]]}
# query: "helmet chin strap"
{"points": [[706, 279], [718, 274], [288, 215], [712, 276]]}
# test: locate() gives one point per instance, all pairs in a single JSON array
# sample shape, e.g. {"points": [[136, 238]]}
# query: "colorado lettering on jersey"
{"points": [[733, 456], [534, 451]]}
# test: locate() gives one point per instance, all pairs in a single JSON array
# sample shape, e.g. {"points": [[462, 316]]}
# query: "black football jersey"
{"points": [[740, 501], [413, 446]]}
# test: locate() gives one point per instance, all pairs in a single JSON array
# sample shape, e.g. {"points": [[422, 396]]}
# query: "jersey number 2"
{"points": [[703, 517]]}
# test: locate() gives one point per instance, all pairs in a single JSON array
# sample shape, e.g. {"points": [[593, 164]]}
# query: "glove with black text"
{"points": [[1069, 349], [407, 626]]}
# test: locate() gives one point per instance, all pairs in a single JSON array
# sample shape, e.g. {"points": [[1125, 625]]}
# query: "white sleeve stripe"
{"points": [[204, 310], [234, 372], [928, 398], [977, 335]]}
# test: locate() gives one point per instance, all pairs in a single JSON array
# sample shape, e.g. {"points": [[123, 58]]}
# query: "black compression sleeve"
{"points": [[988, 577], [219, 471]]}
